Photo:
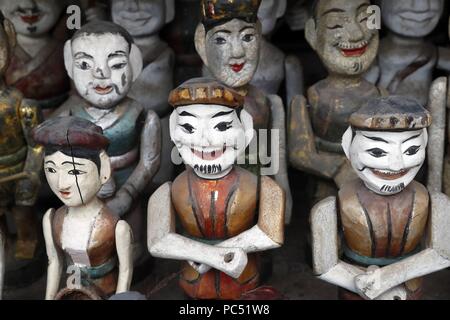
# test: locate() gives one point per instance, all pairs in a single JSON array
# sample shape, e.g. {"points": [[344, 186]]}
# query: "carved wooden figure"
{"points": [[338, 32], [216, 202], [394, 231], [20, 163], [406, 60], [104, 62], [274, 67], [144, 19], [37, 66], [96, 243], [229, 40]]}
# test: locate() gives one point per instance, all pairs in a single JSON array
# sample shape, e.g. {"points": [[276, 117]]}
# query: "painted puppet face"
{"points": [[210, 137], [341, 36], [75, 181], [140, 17], [232, 52], [412, 18], [269, 12], [102, 71], [387, 162], [32, 17]]}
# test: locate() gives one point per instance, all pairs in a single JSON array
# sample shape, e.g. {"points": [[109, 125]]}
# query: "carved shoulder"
{"points": [[271, 209], [439, 237]]}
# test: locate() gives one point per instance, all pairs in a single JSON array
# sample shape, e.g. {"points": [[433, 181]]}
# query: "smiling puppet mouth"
{"points": [[389, 175], [209, 156], [237, 67], [103, 90], [355, 52]]}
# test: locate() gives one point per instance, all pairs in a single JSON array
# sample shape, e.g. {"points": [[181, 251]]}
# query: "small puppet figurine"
{"points": [[406, 61], [20, 166], [96, 244], [339, 33], [216, 202], [104, 62], [274, 67], [438, 156], [144, 19], [228, 40], [384, 215], [37, 65]]}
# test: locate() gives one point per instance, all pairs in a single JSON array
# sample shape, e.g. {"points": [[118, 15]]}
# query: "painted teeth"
{"points": [[208, 169], [348, 46]]}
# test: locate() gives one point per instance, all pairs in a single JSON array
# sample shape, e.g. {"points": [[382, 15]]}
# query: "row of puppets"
{"points": [[98, 116]]}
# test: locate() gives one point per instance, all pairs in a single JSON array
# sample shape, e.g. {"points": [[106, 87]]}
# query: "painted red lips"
{"points": [[31, 19], [357, 52], [237, 67], [103, 90]]}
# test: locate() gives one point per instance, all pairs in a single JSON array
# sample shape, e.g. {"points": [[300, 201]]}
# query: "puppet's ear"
{"points": [[10, 32], [137, 63], [347, 141], [68, 58], [311, 33], [200, 42], [170, 10], [247, 122]]}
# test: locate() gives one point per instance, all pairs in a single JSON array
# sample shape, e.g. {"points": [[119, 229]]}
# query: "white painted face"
{"points": [[141, 17], [412, 18], [210, 137], [102, 71], [32, 17], [269, 12], [232, 52], [75, 181], [387, 162]]}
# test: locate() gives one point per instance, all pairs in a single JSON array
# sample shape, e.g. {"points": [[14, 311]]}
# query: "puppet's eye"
{"points": [[223, 126], [84, 65], [119, 66], [76, 172], [220, 40], [188, 128], [412, 150], [51, 170], [377, 152], [248, 37]]}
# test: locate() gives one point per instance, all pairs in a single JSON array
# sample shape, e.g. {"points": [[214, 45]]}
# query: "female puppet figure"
{"points": [[216, 202], [394, 231], [96, 244], [37, 66]]}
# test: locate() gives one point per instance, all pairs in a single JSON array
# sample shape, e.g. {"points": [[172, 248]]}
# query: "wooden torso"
{"points": [[386, 227], [211, 211], [100, 248]]}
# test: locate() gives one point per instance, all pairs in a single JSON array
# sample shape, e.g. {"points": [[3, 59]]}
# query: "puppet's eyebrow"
{"points": [[412, 138], [83, 55], [333, 10], [72, 163], [222, 30], [362, 6], [50, 162], [186, 114], [221, 114], [377, 139], [245, 28], [119, 53]]}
